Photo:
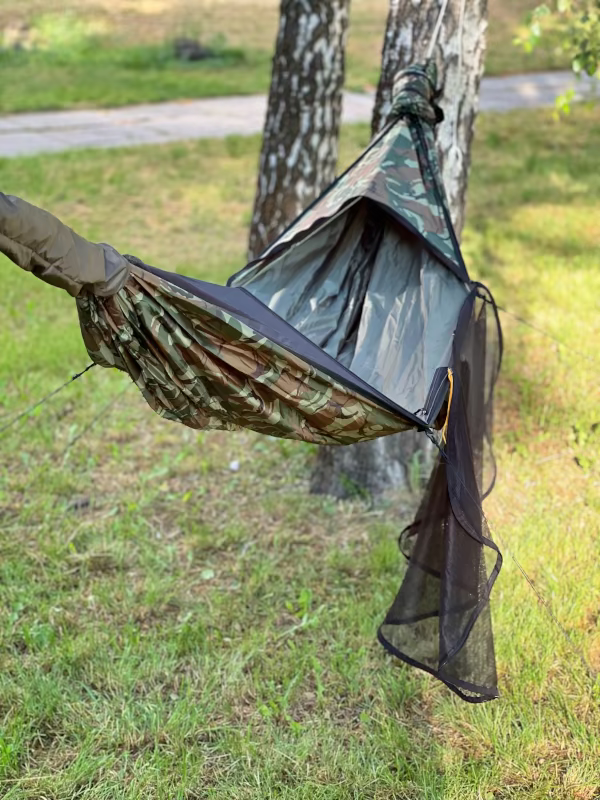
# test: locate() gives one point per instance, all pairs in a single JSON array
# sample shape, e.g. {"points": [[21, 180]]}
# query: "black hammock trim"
{"points": [[459, 267], [258, 316]]}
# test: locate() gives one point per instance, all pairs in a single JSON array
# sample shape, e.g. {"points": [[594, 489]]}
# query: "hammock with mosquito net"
{"points": [[359, 322]]}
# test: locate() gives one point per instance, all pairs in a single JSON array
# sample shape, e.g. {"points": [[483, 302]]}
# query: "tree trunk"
{"points": [[387, 463], [300, 144], [409, 28]]}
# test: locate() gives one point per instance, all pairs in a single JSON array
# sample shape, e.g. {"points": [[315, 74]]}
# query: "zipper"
{"points": [[438, 391]]}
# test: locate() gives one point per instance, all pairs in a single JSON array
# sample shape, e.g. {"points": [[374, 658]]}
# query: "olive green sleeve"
{"points": [[41, 244]]}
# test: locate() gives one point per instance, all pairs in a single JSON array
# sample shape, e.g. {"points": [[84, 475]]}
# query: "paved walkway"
{"points": [[27, 134]]}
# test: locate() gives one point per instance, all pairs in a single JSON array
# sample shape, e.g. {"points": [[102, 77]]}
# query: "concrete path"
{"points": [[45, 132]]}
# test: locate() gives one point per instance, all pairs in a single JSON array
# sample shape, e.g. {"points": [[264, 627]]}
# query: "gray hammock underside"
{"points": [[372, 296]]}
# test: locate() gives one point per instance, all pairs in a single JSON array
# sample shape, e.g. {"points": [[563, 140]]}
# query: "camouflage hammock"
{"points": [[360, 321]]}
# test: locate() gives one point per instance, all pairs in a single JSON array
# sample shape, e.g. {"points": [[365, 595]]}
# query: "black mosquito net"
{"points": [[440, 620]]}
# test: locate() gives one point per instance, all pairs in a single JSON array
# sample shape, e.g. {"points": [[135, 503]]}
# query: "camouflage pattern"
{"points": [[399, 171], [415, 93], [197, 364]]}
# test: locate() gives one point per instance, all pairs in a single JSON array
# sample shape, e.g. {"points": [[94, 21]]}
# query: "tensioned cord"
{"points": [[545, 333], [45, 399], [104, 410], [455, 150], [430, 435], [438, 27], [541, 599]]}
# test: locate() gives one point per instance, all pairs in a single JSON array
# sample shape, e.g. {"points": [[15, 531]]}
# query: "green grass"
{"points": [[87, 53], [109, 76], [173, 629], [117, 79]]}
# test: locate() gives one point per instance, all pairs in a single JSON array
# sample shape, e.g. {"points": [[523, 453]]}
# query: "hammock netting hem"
{"points": [[359, 322]]}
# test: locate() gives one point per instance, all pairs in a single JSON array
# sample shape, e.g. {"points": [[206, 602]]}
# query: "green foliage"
{"points": [[578, 22], [576, 26], [583, 33]]}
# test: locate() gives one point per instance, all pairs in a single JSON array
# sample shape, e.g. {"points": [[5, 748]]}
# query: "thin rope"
{"points": [[547, 334], [541, 599], [436, 31], [456, 152], [461, 30], [88, 427], [542, 331], [104, 410], [45, 399]]}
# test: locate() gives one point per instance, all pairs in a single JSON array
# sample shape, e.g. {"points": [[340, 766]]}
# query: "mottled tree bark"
{"points": [[386, 463], [300, 144]]}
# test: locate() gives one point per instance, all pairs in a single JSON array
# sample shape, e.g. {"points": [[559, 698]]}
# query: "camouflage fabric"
{"points": [[399, 171], [197, 362], [194, 363], [415, 92]]}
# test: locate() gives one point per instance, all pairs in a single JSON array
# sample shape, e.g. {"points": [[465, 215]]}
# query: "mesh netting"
{"points": [[440, 620]]}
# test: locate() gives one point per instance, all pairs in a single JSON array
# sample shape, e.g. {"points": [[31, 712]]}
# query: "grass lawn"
{"points": [[116, 52], [170, 628]]}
